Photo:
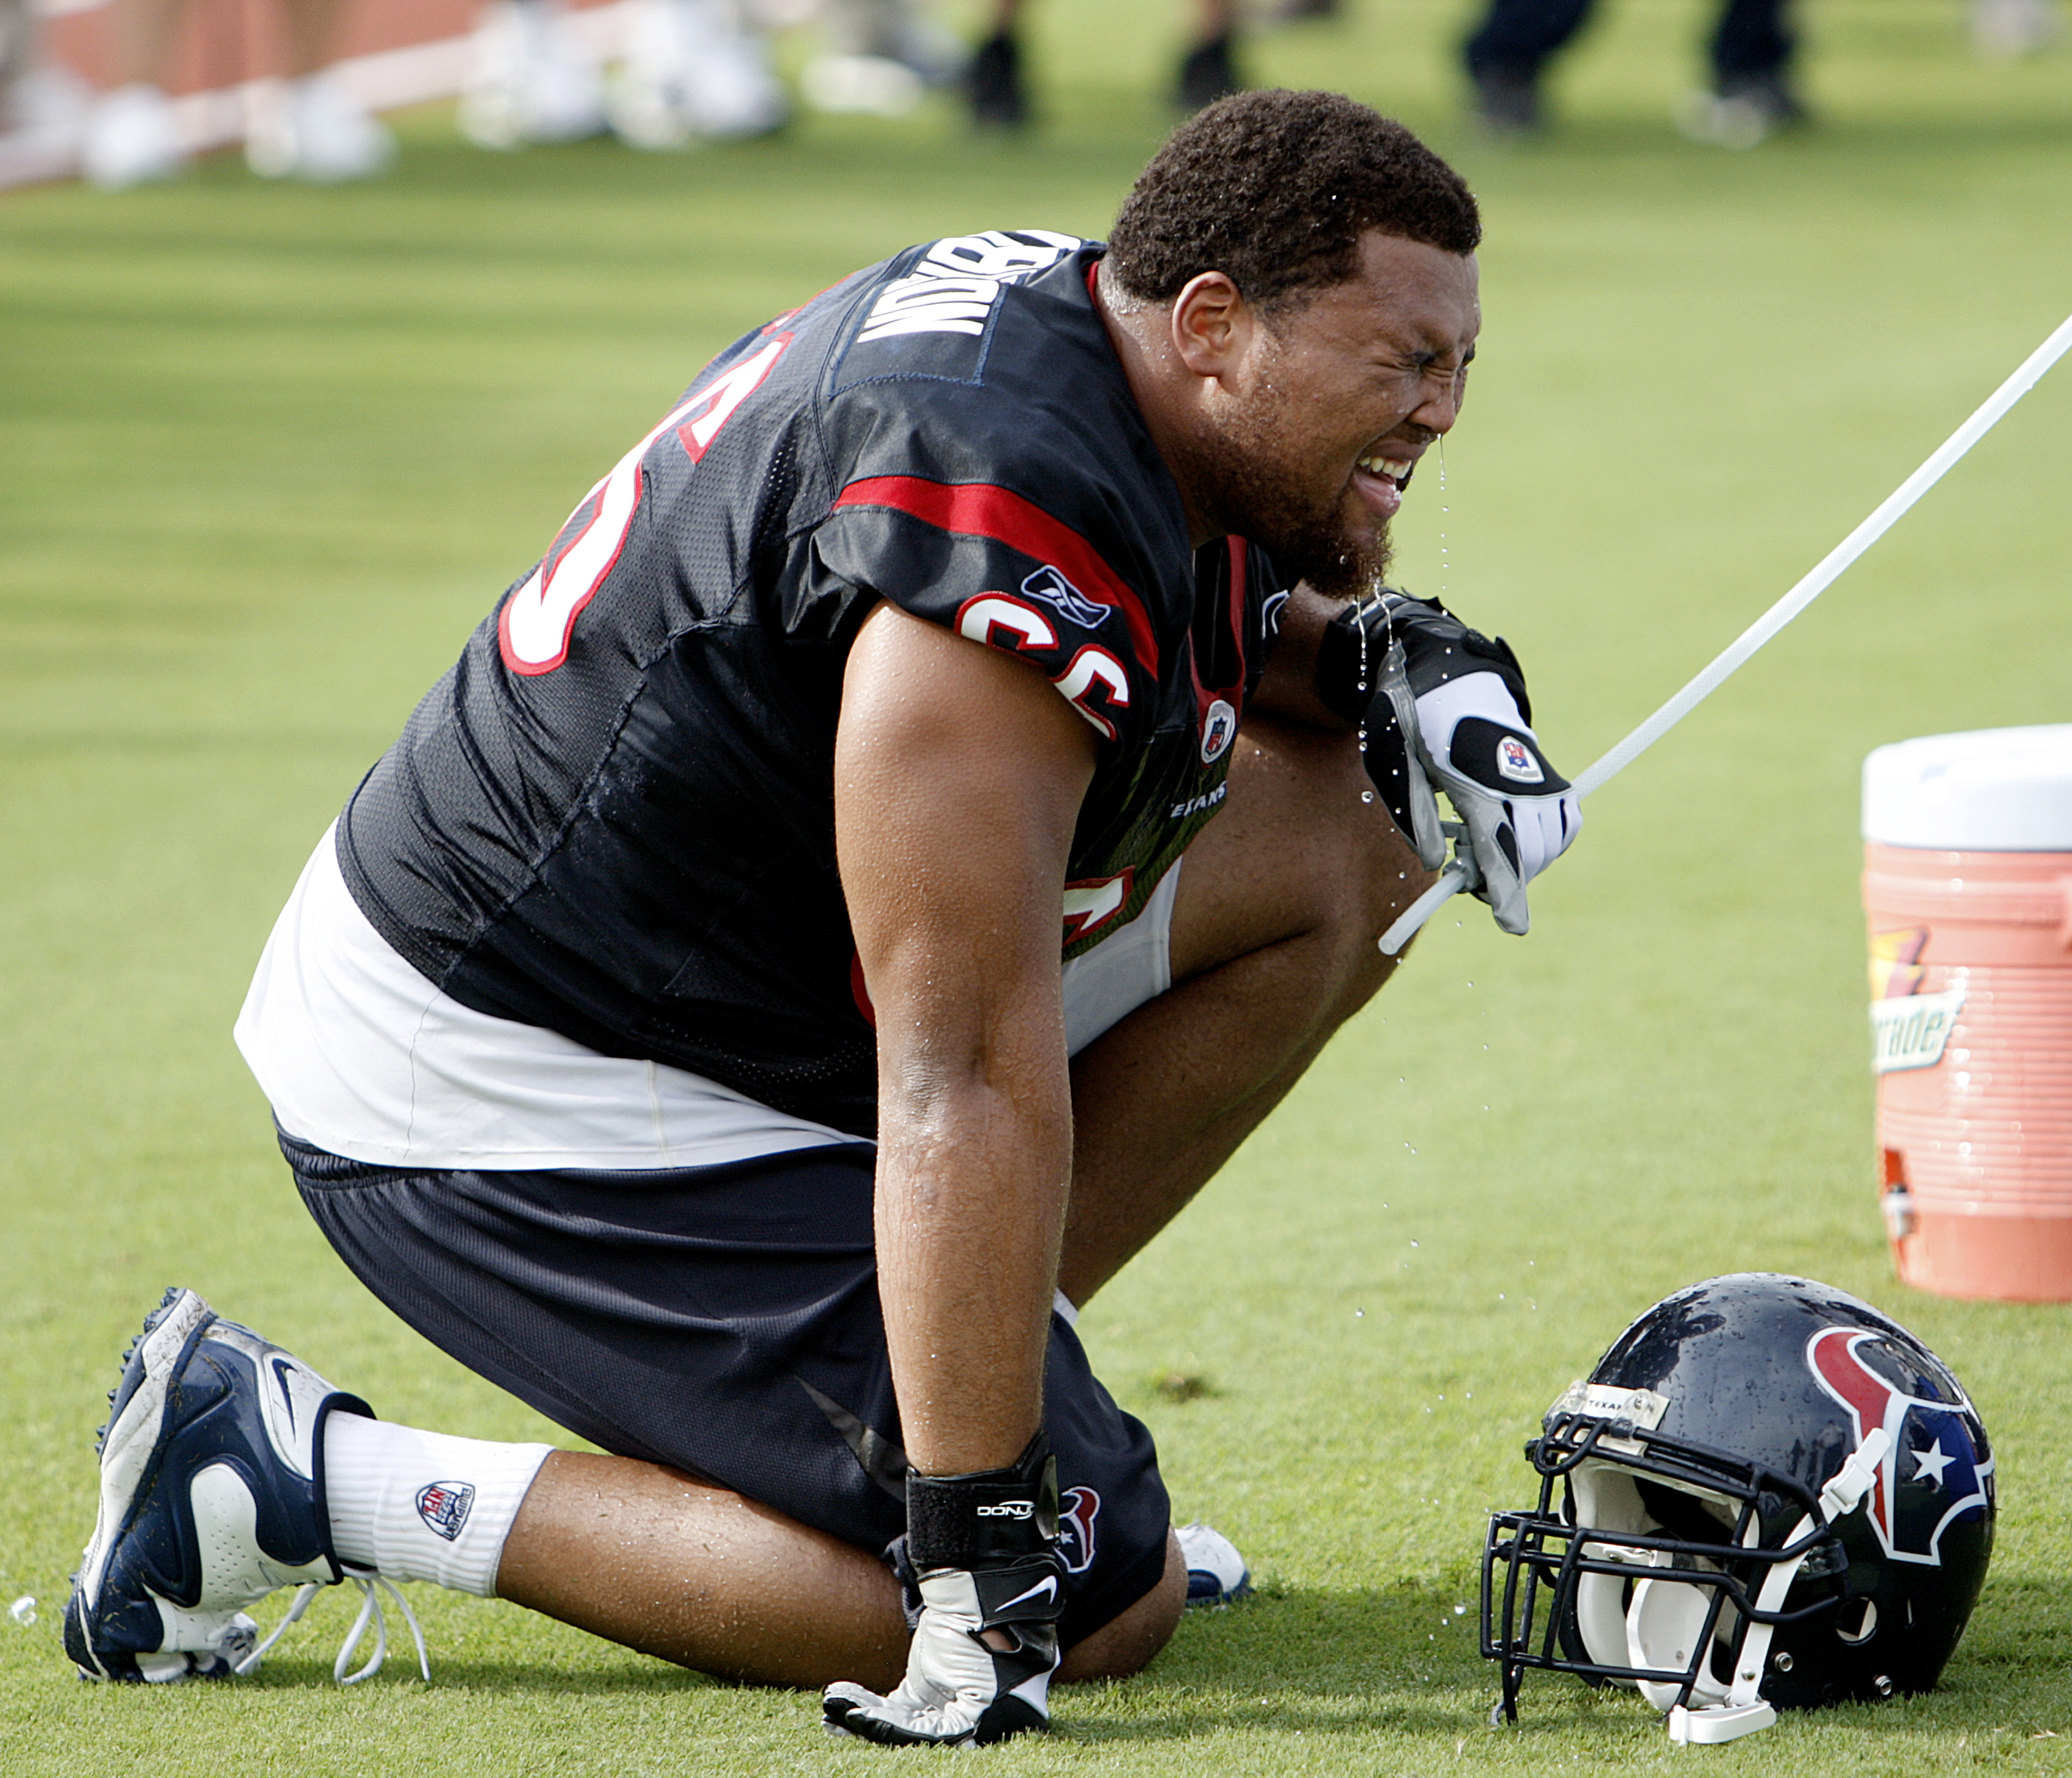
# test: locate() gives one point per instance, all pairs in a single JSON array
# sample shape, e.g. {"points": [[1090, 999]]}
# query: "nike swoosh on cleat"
{"points": [[281, 1377]]}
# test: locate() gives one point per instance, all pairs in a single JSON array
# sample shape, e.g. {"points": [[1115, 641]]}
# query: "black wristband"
{"points": [[991, 1517]]}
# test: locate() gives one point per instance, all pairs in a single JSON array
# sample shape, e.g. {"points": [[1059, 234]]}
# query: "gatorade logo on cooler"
{"points": [[1909, 1028], [1912, 1031]]}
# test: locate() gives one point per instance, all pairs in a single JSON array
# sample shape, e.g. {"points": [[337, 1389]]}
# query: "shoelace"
{"points": [[366, 1580]]}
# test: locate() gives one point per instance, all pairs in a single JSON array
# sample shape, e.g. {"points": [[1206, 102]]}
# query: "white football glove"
{"points": [[1520, 814], [990, 1585], [959, 1691], [1442, 706]]}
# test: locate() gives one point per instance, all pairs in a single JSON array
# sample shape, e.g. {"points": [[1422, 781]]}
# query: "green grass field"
{"points": [[266, 455]]}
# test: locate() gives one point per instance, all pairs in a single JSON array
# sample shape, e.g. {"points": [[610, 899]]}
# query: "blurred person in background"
{"points": [[691, 70], [315, 130], [694, 70], [884, 55], [533, 77], [1751, 52], [2005, 30], [43, 106], [1000, 95]]}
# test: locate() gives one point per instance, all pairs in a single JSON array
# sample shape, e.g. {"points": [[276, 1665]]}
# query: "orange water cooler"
{"points": [[1967, 883]]}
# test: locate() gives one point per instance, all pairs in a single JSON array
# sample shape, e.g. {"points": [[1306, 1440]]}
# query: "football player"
{"points": [[907, 830]]}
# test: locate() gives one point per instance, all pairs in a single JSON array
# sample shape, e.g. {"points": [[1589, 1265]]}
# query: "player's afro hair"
{"points": [[1275, 189]]}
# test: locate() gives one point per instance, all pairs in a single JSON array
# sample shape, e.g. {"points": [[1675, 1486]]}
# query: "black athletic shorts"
{"points": [[722, 1320]]}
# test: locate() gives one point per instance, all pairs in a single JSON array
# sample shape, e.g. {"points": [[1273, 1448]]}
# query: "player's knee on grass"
{"points": [[1126, 1644]]}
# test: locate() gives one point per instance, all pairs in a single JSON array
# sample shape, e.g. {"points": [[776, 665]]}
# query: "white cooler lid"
{"points": [[1993, 789]]}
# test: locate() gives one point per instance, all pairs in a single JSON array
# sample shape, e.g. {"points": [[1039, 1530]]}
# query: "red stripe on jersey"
{"points": [[1240, 566], [979, 509]]}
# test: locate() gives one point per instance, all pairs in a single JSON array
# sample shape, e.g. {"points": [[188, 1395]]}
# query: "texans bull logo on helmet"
{"points": [[1930, 1444]]}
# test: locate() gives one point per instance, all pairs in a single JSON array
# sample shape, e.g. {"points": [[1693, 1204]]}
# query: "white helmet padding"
{"points": [[1645, 1623]]}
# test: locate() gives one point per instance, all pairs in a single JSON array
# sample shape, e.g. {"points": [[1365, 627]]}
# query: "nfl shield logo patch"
{"points": [[443, 1506], [1514, 760]]}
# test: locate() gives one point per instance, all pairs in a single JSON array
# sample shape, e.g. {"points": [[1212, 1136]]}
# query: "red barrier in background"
{"points": [[389, 53], [224, 43]]}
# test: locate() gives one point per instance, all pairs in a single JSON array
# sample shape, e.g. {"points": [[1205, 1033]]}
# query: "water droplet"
{"points": [[1367, 796]]}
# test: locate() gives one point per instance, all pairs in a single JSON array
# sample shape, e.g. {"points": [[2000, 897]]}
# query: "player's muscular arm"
{"points": [[1286, 690], [959, 774]]}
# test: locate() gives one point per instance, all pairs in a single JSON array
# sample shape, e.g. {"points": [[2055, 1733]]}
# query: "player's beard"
{"points": [[1266, 502]]}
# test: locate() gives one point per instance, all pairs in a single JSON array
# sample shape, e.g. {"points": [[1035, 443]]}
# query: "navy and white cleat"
{"points": [[212, 1496], [1216, 1573]]}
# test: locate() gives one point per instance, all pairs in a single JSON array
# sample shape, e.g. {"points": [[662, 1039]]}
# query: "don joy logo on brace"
{"points": [[1010, 1509]]}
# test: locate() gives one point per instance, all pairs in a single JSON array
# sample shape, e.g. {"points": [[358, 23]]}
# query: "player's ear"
{"points": [[1212, 324]]}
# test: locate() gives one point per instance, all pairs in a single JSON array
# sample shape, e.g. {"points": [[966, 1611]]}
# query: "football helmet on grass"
{"points": [[1767, 1495]]}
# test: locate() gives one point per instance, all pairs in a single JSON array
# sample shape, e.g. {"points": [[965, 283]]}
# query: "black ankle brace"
{"points": [[990, 1517]]}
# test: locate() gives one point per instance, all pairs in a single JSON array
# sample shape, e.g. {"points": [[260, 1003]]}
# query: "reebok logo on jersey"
{"points": [[1515, 761], [1054, 590], [954, 286], [444, 1506]]}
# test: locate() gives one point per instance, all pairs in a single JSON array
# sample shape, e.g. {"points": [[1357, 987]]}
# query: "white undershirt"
{"points": [[360, 1054]]}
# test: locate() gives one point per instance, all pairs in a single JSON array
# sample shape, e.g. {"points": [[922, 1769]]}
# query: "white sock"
{"points": [[423, 1505]]}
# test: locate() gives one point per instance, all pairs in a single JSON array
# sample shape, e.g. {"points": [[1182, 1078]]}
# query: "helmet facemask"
{"points": [[1663, 1566]]}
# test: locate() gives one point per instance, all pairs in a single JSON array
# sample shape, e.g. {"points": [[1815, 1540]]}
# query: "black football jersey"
{"points": [[614, 817]]}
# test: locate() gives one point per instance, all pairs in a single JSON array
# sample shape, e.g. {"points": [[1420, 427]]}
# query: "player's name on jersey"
{"points": [[953, 287]]}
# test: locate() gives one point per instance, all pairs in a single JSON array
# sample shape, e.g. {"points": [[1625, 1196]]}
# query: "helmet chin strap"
{"points": [[1740, 1709]]}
